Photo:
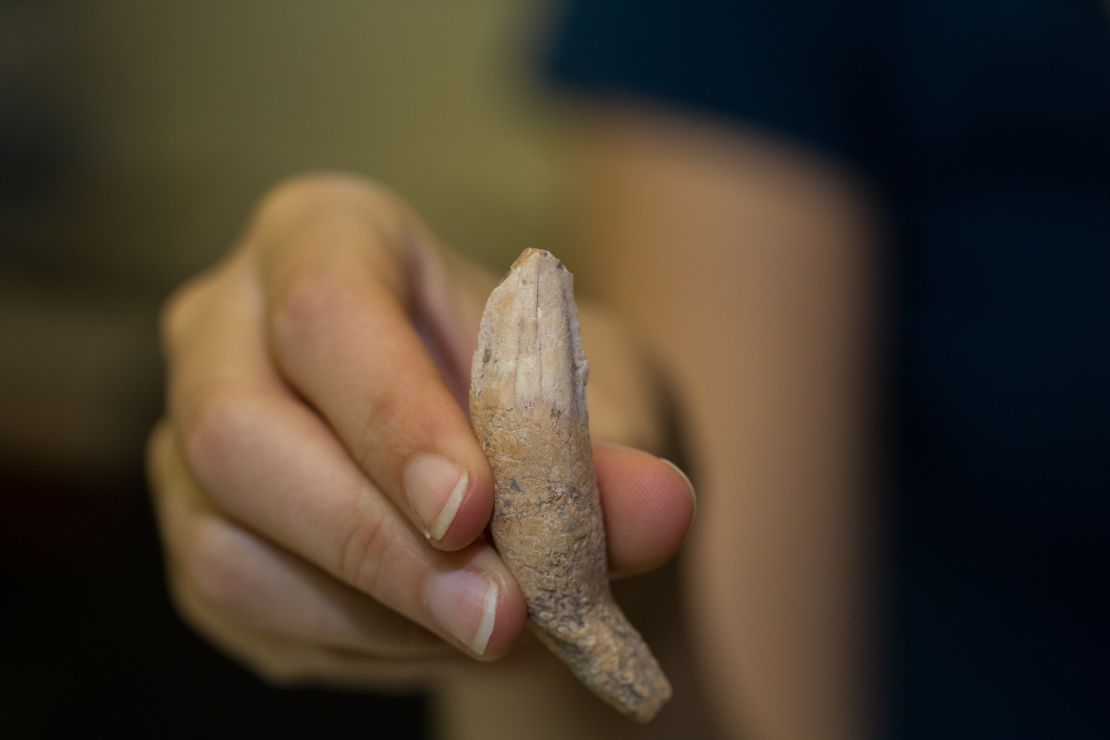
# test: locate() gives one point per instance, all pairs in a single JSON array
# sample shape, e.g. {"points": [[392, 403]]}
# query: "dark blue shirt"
{"points": [[984, 128]]}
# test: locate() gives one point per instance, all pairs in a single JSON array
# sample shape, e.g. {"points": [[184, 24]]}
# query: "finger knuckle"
{"points": [[214, 567], [365, 554], [388, 415], [305, 307], [317, 194], [221, 426], [323, 206], [179, 310]]}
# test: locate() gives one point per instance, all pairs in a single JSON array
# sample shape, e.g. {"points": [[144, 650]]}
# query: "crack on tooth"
{"points": [[539, 339]]}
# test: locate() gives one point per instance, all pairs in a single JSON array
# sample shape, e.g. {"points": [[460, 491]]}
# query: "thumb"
{"points": [[648, 505]]}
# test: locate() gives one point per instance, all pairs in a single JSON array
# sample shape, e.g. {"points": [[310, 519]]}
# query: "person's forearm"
{"points": [[748, 274]]}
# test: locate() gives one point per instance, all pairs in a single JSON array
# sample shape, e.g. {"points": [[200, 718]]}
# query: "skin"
{"points": [[736, 266]]}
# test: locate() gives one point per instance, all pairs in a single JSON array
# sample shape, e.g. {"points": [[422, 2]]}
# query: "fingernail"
{"points": [[685, 479], [435, 488], [464, 604]]}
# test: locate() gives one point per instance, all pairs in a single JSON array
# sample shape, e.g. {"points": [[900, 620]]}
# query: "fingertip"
{"points": [[476, 603], [507, 622], [466, 511], [687, 483], [648, 504]]}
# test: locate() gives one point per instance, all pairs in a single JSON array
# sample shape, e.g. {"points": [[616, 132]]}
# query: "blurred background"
{"points": [[134, 138]]}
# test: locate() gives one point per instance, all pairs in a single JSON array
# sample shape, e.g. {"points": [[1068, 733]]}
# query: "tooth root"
{"points": [[528, 407]]}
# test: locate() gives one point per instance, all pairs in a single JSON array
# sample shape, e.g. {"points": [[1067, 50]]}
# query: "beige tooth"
{"points": [[528, 407]]}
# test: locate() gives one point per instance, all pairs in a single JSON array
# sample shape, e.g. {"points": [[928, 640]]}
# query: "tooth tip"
{"points": [[530, 254], [539, 260], [529, 345]]}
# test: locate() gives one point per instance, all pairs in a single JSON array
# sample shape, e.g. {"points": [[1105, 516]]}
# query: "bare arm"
{"points": [[748, 268]]}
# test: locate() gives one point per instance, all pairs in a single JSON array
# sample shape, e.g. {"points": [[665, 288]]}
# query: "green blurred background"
{"points": [[134, 138], [141, 133]]}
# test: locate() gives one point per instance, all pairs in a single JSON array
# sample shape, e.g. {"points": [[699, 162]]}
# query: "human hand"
{"points": [[319, 490]]}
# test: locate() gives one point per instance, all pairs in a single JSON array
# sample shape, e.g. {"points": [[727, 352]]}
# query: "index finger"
{"points": [[341, 283]]}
